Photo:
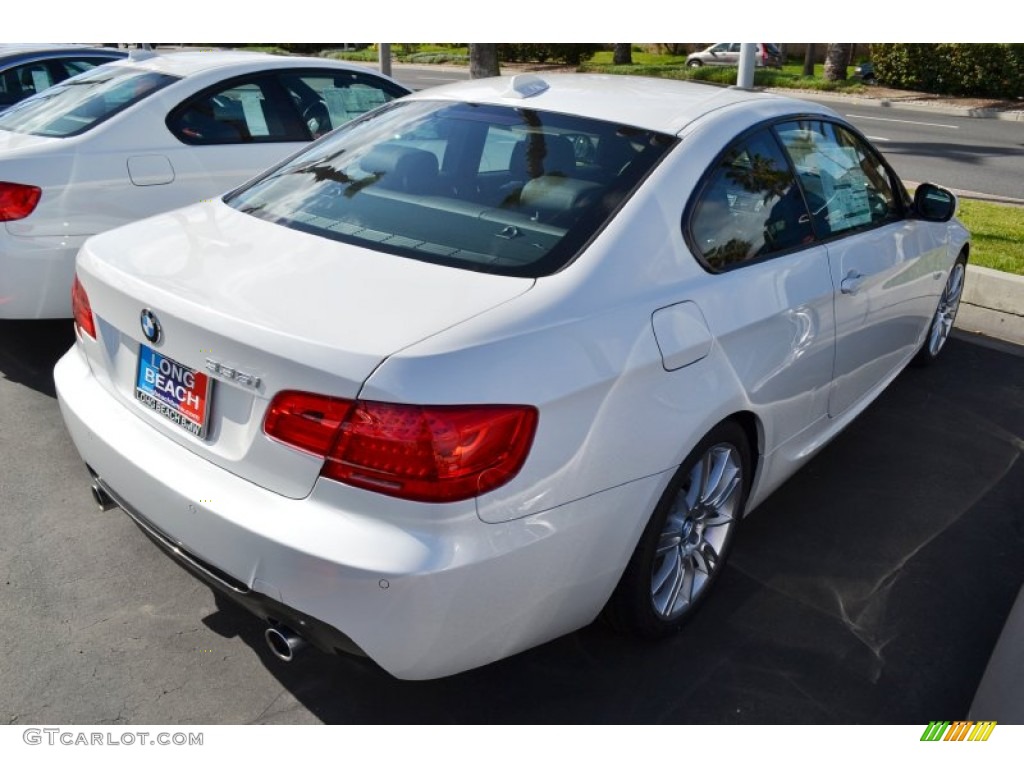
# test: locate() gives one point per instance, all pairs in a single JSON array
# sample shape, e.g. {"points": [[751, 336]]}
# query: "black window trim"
{"points": [[295, 131], [769, 125], [271, 78]]}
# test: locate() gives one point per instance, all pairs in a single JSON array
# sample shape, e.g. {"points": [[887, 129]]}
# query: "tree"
{"points": [[837, 56], [483, 60], [622, 53], [809, 61]]}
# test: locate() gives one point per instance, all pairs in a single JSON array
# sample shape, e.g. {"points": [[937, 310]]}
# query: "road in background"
{"points": [[970, 153], [966, 153]]}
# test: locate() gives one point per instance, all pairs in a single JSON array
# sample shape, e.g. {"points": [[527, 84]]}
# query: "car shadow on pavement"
{"points": [[30, 348], [870, 588]]}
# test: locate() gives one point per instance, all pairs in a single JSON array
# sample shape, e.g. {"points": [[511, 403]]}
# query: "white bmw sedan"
{"points": [[146, 135], [500, 357]]}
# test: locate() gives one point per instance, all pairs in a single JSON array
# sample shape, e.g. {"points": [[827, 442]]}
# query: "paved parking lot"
{"points": [[869, 589]]}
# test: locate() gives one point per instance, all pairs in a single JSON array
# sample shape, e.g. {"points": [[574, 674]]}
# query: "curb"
{"points": [[992, 304]]}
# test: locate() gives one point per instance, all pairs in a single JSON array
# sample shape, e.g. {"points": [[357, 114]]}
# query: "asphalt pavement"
{"points": [[870, 588]]}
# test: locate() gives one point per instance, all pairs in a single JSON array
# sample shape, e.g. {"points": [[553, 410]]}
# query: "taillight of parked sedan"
{"points": [[17, 200], [82, 309], [438, 453]]}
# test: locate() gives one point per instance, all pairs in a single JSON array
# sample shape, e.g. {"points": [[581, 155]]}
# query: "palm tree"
{"points": [[809, 61], [483, 60], [837, 57], [622, 53]]}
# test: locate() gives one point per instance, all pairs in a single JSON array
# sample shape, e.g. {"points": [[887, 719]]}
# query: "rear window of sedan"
{"points": [[497, 189], [82, 102]]}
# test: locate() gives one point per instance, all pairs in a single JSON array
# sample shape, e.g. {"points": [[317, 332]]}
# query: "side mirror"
{"points": [[933, 203]]}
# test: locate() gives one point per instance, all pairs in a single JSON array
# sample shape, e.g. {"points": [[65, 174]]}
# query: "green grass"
{"points": [[673, 67], [263, 49], [604, 58], [997, 235]]}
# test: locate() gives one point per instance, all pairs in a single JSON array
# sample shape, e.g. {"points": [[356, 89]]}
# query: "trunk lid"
{"points": [[241, 299]]}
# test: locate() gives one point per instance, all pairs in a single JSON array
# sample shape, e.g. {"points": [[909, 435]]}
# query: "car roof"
{"points": [[186, 63], [16, 51], [657, 104]]}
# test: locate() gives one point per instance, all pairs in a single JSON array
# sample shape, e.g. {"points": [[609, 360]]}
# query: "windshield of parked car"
{"points": [[498, 189], [82, 102]]}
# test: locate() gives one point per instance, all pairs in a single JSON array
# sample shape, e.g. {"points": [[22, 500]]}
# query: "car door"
{"points": [[770, 304], [882, 264]]}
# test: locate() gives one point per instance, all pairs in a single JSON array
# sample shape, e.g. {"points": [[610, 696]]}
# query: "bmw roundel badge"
{"points": [[150, 326]]}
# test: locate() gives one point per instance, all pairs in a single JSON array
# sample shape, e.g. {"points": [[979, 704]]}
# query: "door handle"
{"points": [[851, 283]]}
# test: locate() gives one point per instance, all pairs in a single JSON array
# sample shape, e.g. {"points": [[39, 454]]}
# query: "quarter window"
{"points": [[21, 82], [846, 185], [244, 111], [750, 206]]}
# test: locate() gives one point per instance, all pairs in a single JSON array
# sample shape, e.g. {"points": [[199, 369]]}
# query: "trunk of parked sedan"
{"points": [[256, 308]]}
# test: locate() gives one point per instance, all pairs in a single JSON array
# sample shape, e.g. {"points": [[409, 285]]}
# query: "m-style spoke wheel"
{"points": [[945, 314], [696, 531], [685, 544]]}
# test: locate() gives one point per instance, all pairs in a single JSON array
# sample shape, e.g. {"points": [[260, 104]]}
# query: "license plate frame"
{"points": [[174, 390]]}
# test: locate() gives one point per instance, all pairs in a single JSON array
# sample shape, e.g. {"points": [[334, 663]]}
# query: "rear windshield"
{"points": [[82, 102], [495, 189]]}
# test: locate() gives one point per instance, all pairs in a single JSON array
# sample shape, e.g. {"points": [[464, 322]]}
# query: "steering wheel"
{"points": [[317, 119]]}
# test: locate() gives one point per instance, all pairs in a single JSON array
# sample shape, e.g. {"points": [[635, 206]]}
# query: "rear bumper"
{"points": [[323, 636], [36, 275], [425, 591]]}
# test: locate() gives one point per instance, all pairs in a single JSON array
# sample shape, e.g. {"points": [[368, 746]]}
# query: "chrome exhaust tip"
{"points": [[283, 642], [102, 498]]}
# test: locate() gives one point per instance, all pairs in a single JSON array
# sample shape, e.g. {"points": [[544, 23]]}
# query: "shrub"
{"points": [[959, 69], [565, 53]]}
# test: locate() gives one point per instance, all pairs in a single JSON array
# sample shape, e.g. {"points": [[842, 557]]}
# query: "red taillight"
{"points": [[82, 310], [422, 453], [17, 200]]}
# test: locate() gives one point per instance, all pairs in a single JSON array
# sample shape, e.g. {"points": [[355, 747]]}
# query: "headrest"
{"points": [[554, 194], [555, 156], [399, 167]]}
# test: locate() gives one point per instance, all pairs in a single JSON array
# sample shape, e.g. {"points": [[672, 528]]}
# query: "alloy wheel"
{"points": [[696, 531], [945, 314]]}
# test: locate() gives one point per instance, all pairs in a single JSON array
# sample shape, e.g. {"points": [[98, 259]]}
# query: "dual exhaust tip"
{"points": [[102, 498], [283, 642]]}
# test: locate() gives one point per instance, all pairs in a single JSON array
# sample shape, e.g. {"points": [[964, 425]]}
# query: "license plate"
{"points": [[173, 390]]}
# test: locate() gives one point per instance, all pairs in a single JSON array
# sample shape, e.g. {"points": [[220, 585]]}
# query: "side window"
{"points": [[749, 206], [242, 112], [845, 183], [734, 47], [327, 99], [721, 48], [24, 81]]}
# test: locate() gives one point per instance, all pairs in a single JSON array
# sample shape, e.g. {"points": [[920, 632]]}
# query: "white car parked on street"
{"points": [[500, 356], [145, 135]]}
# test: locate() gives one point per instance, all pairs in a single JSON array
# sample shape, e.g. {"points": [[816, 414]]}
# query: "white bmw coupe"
{"points": [[501, 356]]}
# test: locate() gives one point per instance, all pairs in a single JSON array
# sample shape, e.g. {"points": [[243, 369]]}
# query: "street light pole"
{"points": [[745, 77], [384, 58]]}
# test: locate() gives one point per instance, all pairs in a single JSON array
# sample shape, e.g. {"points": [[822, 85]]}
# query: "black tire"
{"points": [[689, 546], [694, 63], [945, 315]]}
